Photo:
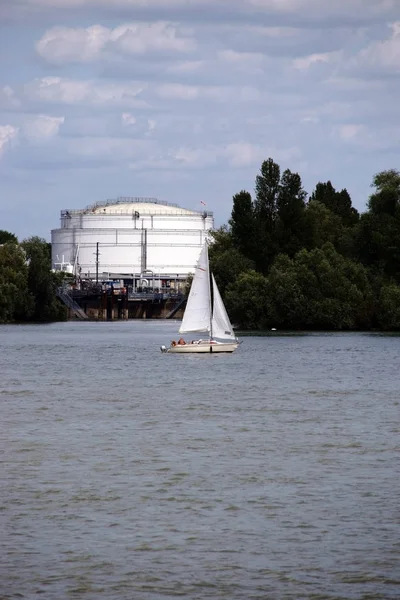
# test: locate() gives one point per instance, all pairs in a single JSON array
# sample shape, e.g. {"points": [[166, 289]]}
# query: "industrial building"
{"points": [[142, 241]]}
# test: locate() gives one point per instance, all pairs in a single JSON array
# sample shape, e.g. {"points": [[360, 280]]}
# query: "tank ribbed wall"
{"points": [[171, 245]]}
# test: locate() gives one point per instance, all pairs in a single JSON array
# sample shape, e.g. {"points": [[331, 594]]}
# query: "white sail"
{"points": [[197, 315], [221, 325]]}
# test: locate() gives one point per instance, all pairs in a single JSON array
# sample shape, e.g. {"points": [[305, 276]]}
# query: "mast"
{"points": [[209, 292]]}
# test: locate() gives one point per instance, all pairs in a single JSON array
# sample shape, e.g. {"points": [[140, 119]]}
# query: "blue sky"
{"points": [[183, 99]]}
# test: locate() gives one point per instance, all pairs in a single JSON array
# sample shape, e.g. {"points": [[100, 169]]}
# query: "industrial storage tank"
{"points": [[139, 239]]}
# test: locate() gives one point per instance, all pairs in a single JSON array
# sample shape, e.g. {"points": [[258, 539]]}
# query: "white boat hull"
{"points": [[201, 348]]}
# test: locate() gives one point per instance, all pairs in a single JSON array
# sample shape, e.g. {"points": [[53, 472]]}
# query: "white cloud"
{"points": [[111, 149], [8, 98], [210, 94], [128, 119], [195, 157], [187, 66], [383, 54], [306, 62], [252, 62], [350, 131], [8, 133], [83, 92], [315, 10], [62, 45], [310, 10], [243, 154], [216, 93], [42, 127]]}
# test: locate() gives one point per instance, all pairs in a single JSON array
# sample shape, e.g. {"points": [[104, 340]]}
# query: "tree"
{"points": [[337, 202], [246, 301], [267, 189], [221, 240], [243, 224], [265, 212], [386, 198], [291, 223], [42, 282], [378, 233], [228, 265], [389, 307], [322, 226], [319, 289], [286, 297], [16, 301], [6, 236]]}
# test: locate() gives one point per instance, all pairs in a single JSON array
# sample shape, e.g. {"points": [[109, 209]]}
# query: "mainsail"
{"points": [[197, 315], [221, 325]]}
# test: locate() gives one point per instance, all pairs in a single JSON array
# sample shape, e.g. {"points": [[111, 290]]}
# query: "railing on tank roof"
{"points": [[126, 200]]}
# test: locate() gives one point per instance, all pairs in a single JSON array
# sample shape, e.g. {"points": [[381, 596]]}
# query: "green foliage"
{"points": [[319, 289], [337, 202], [228, 265], [386, 198], [27, 284], [243, 224], [42, 282], [245, 300], [6, 236], [284, 262], [16, 300], [221, 240], [389, 308]]}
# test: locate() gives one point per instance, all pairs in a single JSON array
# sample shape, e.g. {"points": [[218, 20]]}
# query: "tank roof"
{"points": [[132, 205]]}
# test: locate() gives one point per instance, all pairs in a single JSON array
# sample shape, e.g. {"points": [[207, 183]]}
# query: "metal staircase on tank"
{"points": [[64, 296]]}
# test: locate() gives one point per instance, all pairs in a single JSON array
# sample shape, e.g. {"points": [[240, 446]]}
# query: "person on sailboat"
{"points": [[181, 342]]}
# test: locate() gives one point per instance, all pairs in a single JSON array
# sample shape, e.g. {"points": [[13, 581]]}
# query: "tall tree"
{"points": [[290, 204], [265, 211], [338, 202], [267, 189], [243, 224]]}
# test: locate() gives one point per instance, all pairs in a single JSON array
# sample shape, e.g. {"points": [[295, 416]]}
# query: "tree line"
{"points": [[27, 283], [293, 261]]}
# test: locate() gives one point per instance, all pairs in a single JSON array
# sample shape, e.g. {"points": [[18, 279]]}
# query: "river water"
{"points": [[271, 473]]}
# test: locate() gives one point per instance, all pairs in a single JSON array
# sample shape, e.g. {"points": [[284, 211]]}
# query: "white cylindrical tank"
{"points": [[129, 237]]}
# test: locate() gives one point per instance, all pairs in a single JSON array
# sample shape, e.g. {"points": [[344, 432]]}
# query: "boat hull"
{"points": [[201, 348]]}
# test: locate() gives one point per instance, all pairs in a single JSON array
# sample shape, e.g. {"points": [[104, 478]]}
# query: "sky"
{"points": [[182, 100]]}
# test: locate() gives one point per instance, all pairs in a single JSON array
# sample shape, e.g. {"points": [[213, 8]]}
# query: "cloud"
{"points": [[324, 10], [299, 11], [128, 119], [306, 62], [8, 133], [350, 131], [214, 93], [42, 127], [63, 45], [62, 91], [8, 99], [243, 154], [137, 92], [382, 55]]}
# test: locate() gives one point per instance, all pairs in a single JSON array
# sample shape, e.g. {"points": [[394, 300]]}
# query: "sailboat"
{"points": [[205, 313]]}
